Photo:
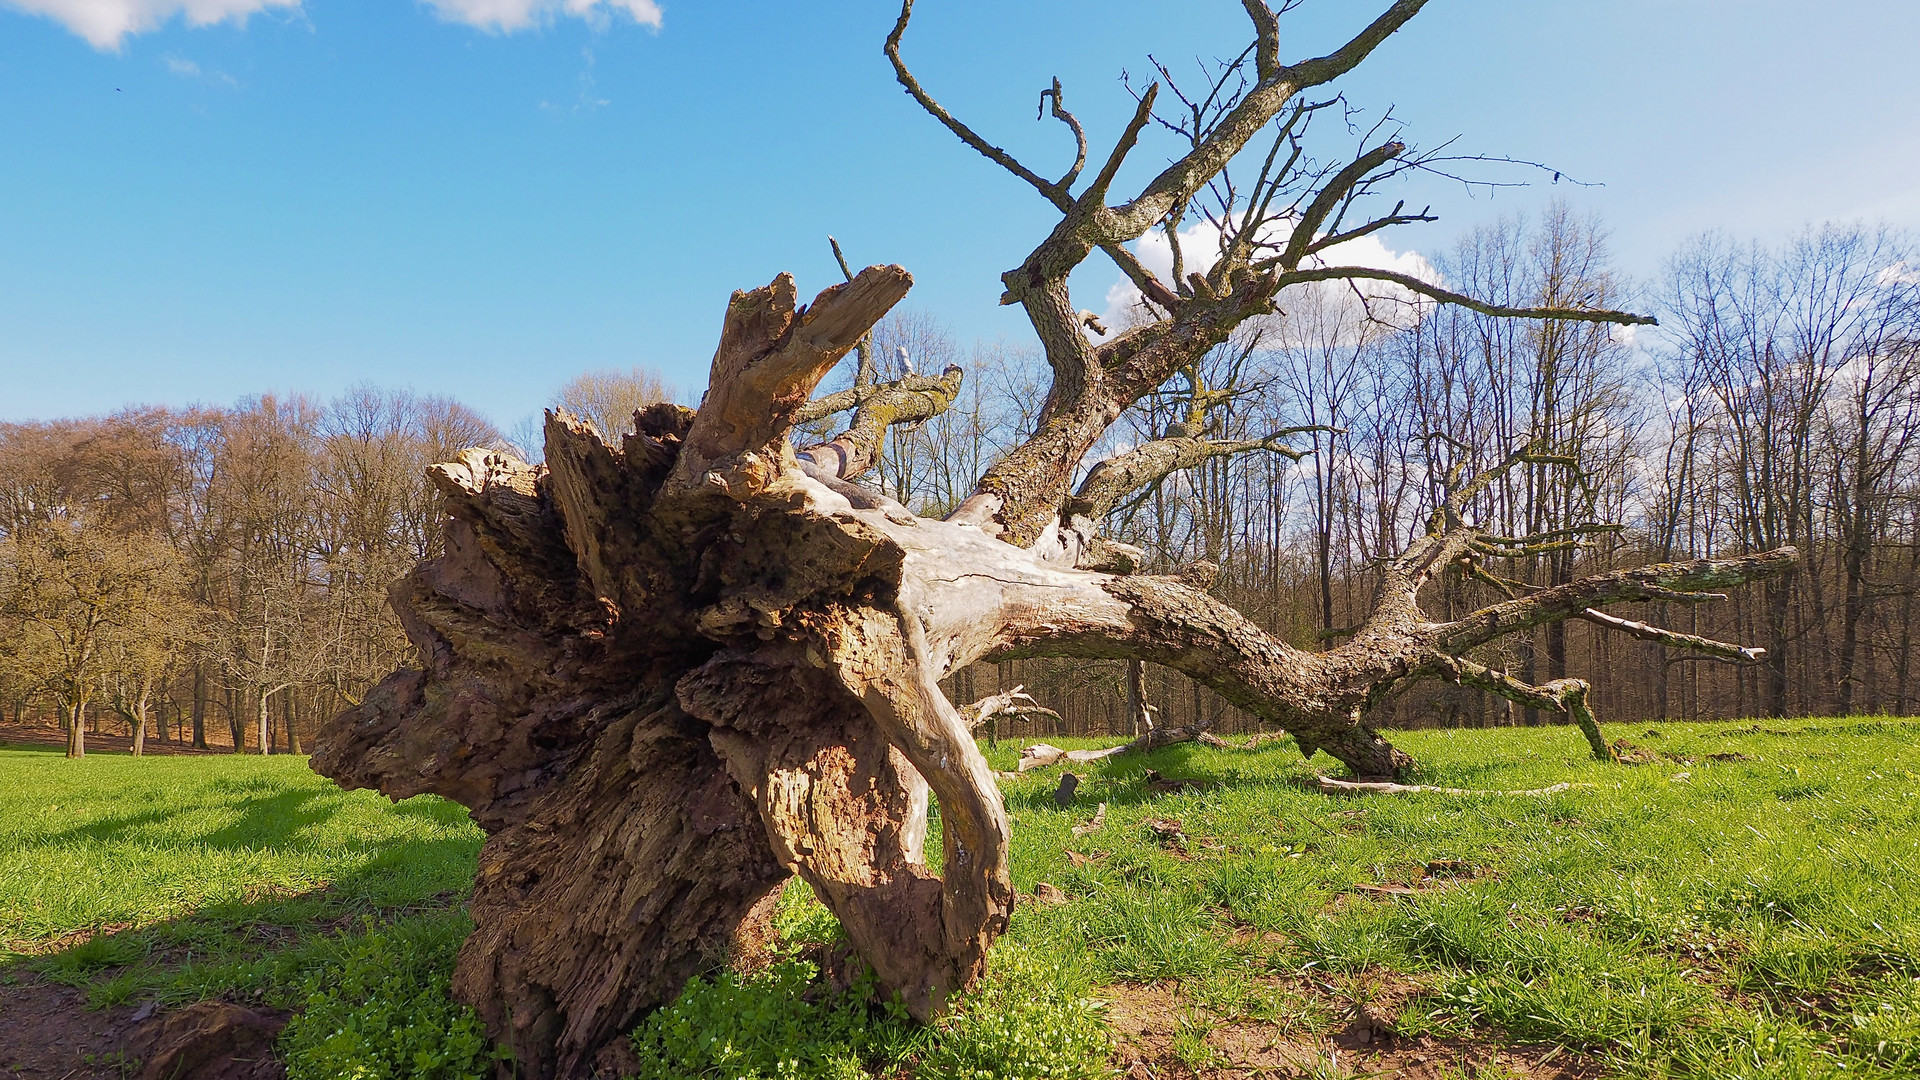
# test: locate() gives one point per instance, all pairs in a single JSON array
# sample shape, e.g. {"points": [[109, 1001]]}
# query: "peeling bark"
{"points": [[667, 675]]}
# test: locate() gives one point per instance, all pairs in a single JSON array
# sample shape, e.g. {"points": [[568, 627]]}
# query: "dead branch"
{"points": [[1351, 787], [876, 408], [1447, 296], [1720, 650], [1567, 696], [1638, 584], [1015, 702]]}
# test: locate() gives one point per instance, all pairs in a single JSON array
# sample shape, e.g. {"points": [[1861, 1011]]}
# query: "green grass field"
{"points": [[1746, 904]]}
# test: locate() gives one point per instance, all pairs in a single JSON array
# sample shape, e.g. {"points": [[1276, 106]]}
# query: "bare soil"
{"points": [[48, 1033], [1147, 1018]]}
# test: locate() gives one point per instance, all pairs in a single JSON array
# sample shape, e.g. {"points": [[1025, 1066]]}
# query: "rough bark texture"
{"points": [[667, 675]]}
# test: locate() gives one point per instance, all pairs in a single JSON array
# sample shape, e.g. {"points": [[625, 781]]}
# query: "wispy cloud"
{"points": [[105, 24], [187, 69], [507, 16]]}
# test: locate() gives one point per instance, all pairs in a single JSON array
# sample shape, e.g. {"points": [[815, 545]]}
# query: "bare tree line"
{"points": [[225, 570], [211, 576], [1778, 404]]}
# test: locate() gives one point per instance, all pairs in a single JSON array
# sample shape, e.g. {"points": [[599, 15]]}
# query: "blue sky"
{"points": [[201, 199]]}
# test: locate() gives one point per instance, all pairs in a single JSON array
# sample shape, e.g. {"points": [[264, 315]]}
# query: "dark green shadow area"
{"points": [[175, 879]]}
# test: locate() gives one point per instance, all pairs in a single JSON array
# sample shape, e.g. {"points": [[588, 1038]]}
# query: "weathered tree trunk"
{"points": [[664, 678], [667, 675]]}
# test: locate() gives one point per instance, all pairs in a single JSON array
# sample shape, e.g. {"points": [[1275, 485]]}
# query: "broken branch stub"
{"points": [[665, 677]]}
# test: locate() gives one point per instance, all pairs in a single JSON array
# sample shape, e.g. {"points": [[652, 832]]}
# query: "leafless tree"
{"points": [[609, 397], [668, 674]]}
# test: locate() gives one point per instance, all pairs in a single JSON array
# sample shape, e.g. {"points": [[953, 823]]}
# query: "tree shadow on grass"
{"points": [[269, 822], [254, 943], [1124, 781]]}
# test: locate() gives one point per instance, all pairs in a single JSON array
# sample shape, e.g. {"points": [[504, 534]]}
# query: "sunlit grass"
{"points": [[151, 874], [1675, 916], [1747, 904]]}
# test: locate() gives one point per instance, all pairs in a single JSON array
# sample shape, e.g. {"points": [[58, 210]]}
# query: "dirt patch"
{"points": [[48, 1033], [209, 1040], [1161, 1035], [68, 940]]}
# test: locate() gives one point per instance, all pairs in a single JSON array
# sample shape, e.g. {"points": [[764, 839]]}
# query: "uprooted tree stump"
{"points": [[667, 675]]}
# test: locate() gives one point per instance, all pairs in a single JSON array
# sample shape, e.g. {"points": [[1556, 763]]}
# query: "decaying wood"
{"points": [[1093, 824], [666, 675], [1016, 703], [1333, 786]]}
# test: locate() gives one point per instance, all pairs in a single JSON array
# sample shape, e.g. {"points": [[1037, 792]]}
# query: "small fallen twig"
{"points": [[1169, 785], [1099, 819], [1369, 787]]}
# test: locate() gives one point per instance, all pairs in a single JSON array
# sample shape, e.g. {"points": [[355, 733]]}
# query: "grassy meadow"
{"points": [[1744, 903]]}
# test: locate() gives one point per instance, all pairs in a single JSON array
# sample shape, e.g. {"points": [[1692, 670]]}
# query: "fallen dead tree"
{"points": [[674, 666]]}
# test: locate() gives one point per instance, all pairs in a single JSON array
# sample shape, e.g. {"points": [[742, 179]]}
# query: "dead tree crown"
{"points": [[667, 674]]}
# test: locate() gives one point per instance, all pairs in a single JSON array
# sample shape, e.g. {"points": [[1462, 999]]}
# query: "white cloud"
{"points": [[1200, 246], [187, 69], [105, 23], [506, 16]]}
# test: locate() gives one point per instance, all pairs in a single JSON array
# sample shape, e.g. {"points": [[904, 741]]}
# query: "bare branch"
{"points": [[1111, 480], [1446, 296], [1060, 113], [908, 401], [1645, 632], [1055, 193], [1638, 584], [1180, 180], [1567, 696], [1142, 113], [1330, 197], [863, 349]]}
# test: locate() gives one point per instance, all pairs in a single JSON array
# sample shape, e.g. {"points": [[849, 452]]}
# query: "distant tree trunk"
{"points": [[236, 706], [77, 729], [293, 735], [1779, 599], [1137, 719], [266, 737], [199, 707], [140, 721]]}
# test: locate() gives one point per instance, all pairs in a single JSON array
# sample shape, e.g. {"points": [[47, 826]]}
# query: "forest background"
{"points": [[216, 577]]}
